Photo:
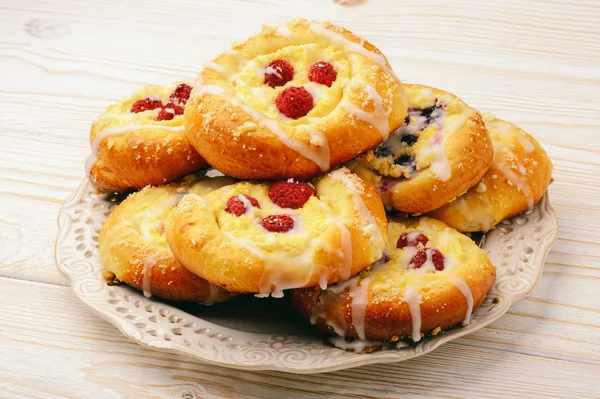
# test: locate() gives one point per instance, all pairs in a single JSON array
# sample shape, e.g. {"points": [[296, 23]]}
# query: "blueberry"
{"points": [[409, 139], [406, 120], [426, 112], [405, 160], [431, 114], [382, 151]]}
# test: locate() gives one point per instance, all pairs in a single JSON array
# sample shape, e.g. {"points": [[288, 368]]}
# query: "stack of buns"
{"points": [[338, 185]]}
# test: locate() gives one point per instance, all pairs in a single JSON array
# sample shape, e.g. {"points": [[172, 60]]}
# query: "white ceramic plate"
{"points": [[262, 334]]}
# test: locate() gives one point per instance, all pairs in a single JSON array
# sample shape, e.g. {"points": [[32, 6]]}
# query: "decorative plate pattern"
{"points": [[518, 248]]}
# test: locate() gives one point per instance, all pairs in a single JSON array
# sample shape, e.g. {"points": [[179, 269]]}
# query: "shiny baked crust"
{"points": [[375, 304], [339, 231], [133, 245], [450, 154], [234, 124], [516, 181], [134, 150]]}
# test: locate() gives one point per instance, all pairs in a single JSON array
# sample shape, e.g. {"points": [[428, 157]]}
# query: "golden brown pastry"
{"points": [[515, 182], [430, 278], [293, 101], [133, 245], [140, 141], [440, 151], [266, 238]]}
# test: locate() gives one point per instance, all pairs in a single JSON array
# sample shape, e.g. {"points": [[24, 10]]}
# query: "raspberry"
{"points": [[291, 195], [437, 258], [278, 223], [322, 72], [145, 104], [181, 94], [411, 239], [418, 259], [278, 73], [294, 102], [169, 111], [236, 206]]}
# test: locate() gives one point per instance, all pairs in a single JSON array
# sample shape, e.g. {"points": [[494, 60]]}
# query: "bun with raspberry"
{"points": [[293, 101], [266, 238], [440, 151], [133, 246], [430, 278], [140, 141]]}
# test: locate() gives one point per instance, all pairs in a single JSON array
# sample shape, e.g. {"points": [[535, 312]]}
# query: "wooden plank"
{"points": [[555, 321], [64, 342], [533, 62]]}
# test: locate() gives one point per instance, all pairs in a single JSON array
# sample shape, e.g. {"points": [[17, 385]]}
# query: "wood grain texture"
{"points": [[68, 343], [534, 62]]}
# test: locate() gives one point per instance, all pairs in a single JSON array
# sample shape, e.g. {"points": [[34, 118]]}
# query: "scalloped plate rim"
{"points": [[129, 329]]}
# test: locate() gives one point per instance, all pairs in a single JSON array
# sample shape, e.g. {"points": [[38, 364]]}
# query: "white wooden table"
{"points": [[534, 62]]}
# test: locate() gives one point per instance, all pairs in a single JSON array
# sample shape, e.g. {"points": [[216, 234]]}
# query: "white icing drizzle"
{"points": [[219, 68], [276, 274], [370, 226], [323, 153], [378, 118], [463, 287], [280, 274], [519, 181], [413, 298], [316, 90], [231, 76], [429, 261], [118, 131], [413, 235], [407, 254], [269, 70], [352, 47], [440, 166], [527, 145], [247, 205], [138, 223], [149, 264], [345, 252], [323, 280], [319, 311], [426, 267], [382, 123], [359, 292], [321, 308], [319, 155]]}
